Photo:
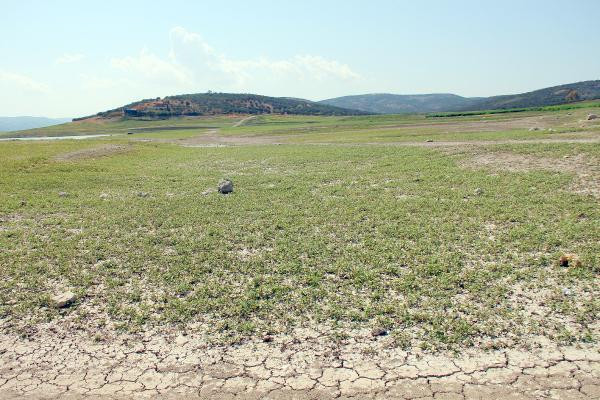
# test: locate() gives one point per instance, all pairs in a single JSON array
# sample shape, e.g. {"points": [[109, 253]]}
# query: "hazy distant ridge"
{"points": [[21, 123], [385, 103]]}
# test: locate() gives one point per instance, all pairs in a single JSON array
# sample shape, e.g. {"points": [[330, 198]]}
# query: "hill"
{"points": [[399, 104], [8, 124], [385, 103], [569, 93], [222, 103]]}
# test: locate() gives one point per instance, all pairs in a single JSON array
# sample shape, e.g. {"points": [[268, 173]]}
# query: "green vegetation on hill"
{"points": [[569, 93], [202, 104], [435, 103], [385, 103]]}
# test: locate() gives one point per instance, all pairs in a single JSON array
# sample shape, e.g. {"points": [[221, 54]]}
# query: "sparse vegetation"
{"points": [[347, 234], [518, 110]]}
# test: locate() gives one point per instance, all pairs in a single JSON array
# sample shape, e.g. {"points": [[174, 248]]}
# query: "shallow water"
{"points": [[52, 137]]}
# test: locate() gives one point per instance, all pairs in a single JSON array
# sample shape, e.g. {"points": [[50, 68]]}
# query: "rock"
{"points": [[567, 291], [591, 117], [103, 196], [569, 260], [142, 194], [63, 194], [225, 186], [429, 140], [267, 338], [478, 192], [63, 300], [379, 332], [534, 129]]}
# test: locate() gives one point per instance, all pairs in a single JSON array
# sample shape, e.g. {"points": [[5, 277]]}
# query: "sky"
{"points": [[75, 58]]}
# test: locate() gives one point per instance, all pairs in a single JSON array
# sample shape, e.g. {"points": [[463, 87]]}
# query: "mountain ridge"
{"points": [[387, 103], [9, 124]]}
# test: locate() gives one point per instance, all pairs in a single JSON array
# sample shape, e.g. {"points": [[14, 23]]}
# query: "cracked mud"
{"points": [[304, 365]]}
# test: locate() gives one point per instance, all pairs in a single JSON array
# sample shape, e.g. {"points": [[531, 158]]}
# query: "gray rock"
{"points": [[63, 194], [103, 196], [534, 129], [591, 117], [567, 291], [63, 300], [478, 191], [143, 194], [225, 186], [379, 332]]}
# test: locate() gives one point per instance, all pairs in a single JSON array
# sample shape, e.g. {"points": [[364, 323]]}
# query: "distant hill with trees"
{"points": [[425, 103], [222, 103]]}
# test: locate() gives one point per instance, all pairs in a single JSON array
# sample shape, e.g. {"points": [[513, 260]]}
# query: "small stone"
{"points": [[225, 186], [103, 196], [63, 300], [567, 291], [478, 191], [429, 140], [267, 338], [63, 194], [142, 194], [591, 117], [379, 332], [535, 128]]}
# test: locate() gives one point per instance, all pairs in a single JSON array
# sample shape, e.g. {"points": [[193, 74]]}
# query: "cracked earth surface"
{"points": [[305, 365]]}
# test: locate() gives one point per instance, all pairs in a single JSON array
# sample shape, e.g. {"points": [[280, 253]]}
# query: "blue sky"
{"points": [[73, 58]]}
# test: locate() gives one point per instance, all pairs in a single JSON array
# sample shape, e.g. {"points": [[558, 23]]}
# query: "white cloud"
{"points": [[323, 68], [308, 67], [151, 66], [23, 82], [193, 64], [69, 58]]}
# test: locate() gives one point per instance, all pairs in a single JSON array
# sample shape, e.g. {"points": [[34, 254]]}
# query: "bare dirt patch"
{"points": [[212, 137], [493, 125], [585, 168], [95, 152]]}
